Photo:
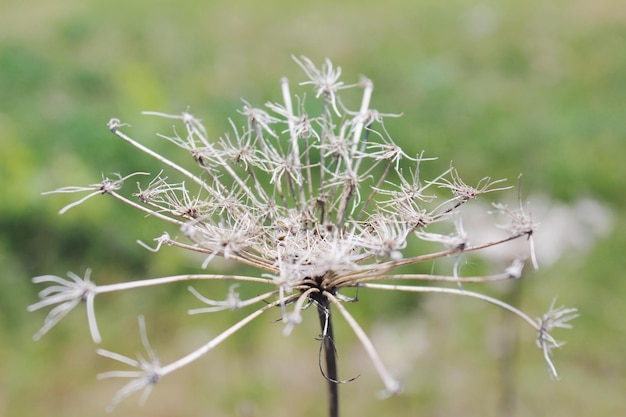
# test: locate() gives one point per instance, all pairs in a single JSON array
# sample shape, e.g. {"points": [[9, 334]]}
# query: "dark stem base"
{"points": [[330, 359]]}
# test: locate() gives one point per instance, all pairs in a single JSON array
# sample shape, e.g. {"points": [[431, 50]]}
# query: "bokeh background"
{"points": [[500, 88]]}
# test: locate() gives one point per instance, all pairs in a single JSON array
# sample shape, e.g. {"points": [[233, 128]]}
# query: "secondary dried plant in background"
{"points": [[318, 201]]}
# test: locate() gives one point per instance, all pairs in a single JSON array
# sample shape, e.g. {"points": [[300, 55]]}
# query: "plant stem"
{"points": [[508, 354], [324, 313]]}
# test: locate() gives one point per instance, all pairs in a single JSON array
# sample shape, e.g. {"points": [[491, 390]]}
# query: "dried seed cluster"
{"points": [[318, 200]]}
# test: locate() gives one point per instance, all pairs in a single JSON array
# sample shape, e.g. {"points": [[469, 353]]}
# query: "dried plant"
{"points": [[318, 203]]}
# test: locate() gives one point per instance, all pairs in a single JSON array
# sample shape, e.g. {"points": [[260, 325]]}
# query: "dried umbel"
{"points": [[318, 203]]}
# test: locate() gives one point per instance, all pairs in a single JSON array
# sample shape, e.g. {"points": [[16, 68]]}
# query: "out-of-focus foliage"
{"points": [[501, 88]]}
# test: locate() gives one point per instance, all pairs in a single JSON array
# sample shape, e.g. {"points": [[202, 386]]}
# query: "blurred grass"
{"points": [[500, 88]]}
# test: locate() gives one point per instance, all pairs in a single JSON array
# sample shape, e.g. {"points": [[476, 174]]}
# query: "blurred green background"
{"points": [[500, 88]]}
